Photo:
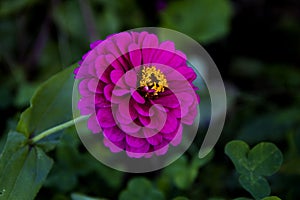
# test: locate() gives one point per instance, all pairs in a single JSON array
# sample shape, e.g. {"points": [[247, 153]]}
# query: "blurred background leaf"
{"points": [[255, 44]]}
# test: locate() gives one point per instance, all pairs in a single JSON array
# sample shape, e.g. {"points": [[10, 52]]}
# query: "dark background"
{"points": [[255, 44]]}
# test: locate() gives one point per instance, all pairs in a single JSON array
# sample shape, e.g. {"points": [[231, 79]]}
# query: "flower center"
{"points": [[152, 81]]}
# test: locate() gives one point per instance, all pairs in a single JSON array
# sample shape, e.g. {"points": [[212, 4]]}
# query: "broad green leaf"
{"points": [[23, 168], [265, 159], [256, 185], [50, 105], [204, 20], [238, 152], [140, 188], [242, 198], [271, 198], [76, 196]]}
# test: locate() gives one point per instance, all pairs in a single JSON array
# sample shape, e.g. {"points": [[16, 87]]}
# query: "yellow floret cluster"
{"points": [[153, 79]]}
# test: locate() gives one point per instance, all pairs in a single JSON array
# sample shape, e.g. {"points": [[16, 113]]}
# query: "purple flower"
{"points": [[138, 92]]}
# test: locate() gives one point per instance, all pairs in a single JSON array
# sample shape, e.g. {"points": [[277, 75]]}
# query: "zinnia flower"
{"points": [[138, 92]]}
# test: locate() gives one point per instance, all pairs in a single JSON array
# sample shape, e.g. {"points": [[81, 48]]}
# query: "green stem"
{"points": [[56, 129]]}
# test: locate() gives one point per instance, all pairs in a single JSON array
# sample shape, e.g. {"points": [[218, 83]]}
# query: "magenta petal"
{"points": [[92, 85], [121, 119], [105, 118], [178, 137], [100, 64], [108, 91], [135, 55], [167, 101], [141, 150], [141, 109], [122, 41], [144, 120], [141, 38], [93, 125], [176, 61], [135, 141], [101, 101], [131, 78], [120, 92], [130, 128], [189, 118], [94, 44], [86, 106], [138, 97], [167, 46], [171, 124], [114, 134], [162, 150], [112, 48], [114, 147], [115, 75], [137, 152], [150, 41], [155, 139], [83, 88]]}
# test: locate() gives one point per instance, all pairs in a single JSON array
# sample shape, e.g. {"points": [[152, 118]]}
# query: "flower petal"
{"points": [[131, 78], [115, 75], [135, 141], [108, 91], [114, 147], [105, 118], [155, 139], [138, 97], [114, 134], [135, 55], [168, 101], [171, 123], [93, 125]]}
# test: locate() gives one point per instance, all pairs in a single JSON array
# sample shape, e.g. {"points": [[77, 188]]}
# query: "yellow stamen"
{"points": [[154, 79]]}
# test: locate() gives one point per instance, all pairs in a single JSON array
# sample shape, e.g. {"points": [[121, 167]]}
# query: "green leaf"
{"points": [[271, 198], [141, 188], [50, 105], [184, 173], [23, 169], [238, 152], [256, 185], [242, 198], [203, 20], [265, 159], [76, 196]]}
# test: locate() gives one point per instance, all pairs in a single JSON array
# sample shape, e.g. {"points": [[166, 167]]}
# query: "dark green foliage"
{"points": [[256, 47], [23, 169], [253, 165]]}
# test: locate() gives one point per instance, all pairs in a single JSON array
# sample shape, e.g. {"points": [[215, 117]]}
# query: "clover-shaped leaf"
{"points": [[262, 160]]}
